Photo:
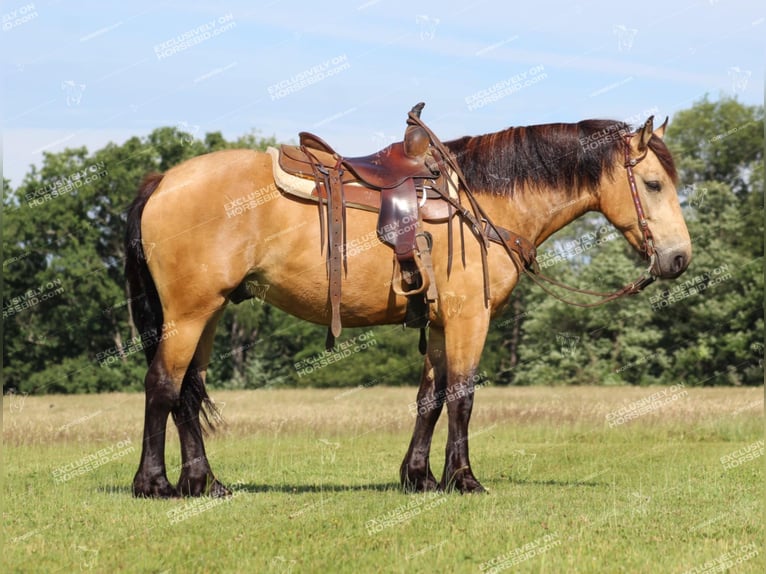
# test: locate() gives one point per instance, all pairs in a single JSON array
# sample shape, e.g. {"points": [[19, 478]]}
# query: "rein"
{"points": [[522, 252]]}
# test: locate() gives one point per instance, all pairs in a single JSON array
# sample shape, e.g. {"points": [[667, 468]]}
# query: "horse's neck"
{"points": [[536, 215]]}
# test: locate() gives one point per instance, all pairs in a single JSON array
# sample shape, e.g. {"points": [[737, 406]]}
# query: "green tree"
{"points": [[718, 141]]}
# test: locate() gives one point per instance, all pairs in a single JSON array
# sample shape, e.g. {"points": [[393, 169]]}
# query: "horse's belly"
{"points": [[366, 298]]}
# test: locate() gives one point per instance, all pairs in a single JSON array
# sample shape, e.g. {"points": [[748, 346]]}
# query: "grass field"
{"points": [[581, 480]]}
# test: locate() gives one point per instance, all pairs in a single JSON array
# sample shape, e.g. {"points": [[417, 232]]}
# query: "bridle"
{"points": [[630, 163], [646, 278]]}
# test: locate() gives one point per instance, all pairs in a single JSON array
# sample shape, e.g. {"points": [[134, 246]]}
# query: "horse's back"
{"points": [[206, 191], [214, 174]]}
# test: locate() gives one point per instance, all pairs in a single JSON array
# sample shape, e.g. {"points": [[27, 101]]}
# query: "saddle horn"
{"points": [[416, 140]]}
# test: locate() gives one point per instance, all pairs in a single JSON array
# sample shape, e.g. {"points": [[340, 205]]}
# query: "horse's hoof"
{"points": [[204, 485], [474, 489], [153, 488], [420, 484], [218, 490], [465, 483], [417, 480]]}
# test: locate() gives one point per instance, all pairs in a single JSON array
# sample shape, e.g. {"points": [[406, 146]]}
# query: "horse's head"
{"points": [[645, 187]]}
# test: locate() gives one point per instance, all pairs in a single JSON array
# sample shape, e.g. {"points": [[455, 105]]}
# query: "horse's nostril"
{"points": [[679, 263]]}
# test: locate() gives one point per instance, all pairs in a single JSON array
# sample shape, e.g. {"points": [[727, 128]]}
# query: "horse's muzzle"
{"points": [[670, 263]]}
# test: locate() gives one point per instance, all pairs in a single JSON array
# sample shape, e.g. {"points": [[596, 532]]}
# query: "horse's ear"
{"points": [[645, 134], [660, 131]]}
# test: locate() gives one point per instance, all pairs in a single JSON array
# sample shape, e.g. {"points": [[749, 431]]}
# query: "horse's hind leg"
{"points": [[151, 479], [196, 475], [163, 391], [415, 472]]}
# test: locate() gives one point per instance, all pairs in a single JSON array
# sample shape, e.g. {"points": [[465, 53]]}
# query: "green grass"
{"points": [[312, 468]]}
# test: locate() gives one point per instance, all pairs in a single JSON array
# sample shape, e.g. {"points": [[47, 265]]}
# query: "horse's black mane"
{"points": [[567, 157]]}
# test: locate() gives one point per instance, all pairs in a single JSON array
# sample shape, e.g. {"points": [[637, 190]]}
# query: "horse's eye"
{"points": [[653, 185]]}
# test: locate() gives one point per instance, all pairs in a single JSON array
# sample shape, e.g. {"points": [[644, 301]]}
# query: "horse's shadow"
{"points": [[557, 483], [256, 488], [261, 488]]}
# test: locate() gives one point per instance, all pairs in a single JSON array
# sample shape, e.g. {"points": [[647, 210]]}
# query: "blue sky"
{"points": [[86, 73]]}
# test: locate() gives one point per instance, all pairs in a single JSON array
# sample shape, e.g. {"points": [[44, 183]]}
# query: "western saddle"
{"points": [[407, 182]]}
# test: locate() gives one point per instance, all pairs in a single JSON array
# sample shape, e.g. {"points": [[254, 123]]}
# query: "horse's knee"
{"points": [[162, 391]]}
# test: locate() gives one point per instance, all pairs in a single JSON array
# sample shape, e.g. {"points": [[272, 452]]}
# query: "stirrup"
{"points": [[399, 280]]}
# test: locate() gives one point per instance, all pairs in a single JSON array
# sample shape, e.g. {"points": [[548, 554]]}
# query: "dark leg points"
{"points": [[417, 479], [152, 486], [461, 480], [457, 466], [190, 484], [415, 472], [197, 479], [151, 480]]}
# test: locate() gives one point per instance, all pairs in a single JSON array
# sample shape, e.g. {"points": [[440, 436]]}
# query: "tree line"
{"points": [[67, 329]]}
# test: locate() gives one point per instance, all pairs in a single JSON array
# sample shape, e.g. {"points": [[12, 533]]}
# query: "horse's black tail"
{"points": [[144, 301], [146, 309]]}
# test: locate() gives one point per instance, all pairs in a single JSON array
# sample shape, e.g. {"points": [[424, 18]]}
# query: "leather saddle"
{"points": [[402, 178]]}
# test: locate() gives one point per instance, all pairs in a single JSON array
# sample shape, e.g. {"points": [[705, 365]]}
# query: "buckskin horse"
{"points": [[187, 257]]}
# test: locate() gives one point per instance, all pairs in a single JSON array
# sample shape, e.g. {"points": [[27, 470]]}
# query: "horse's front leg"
{"points": [[415, 471], [457, 466], [464, 343]]}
